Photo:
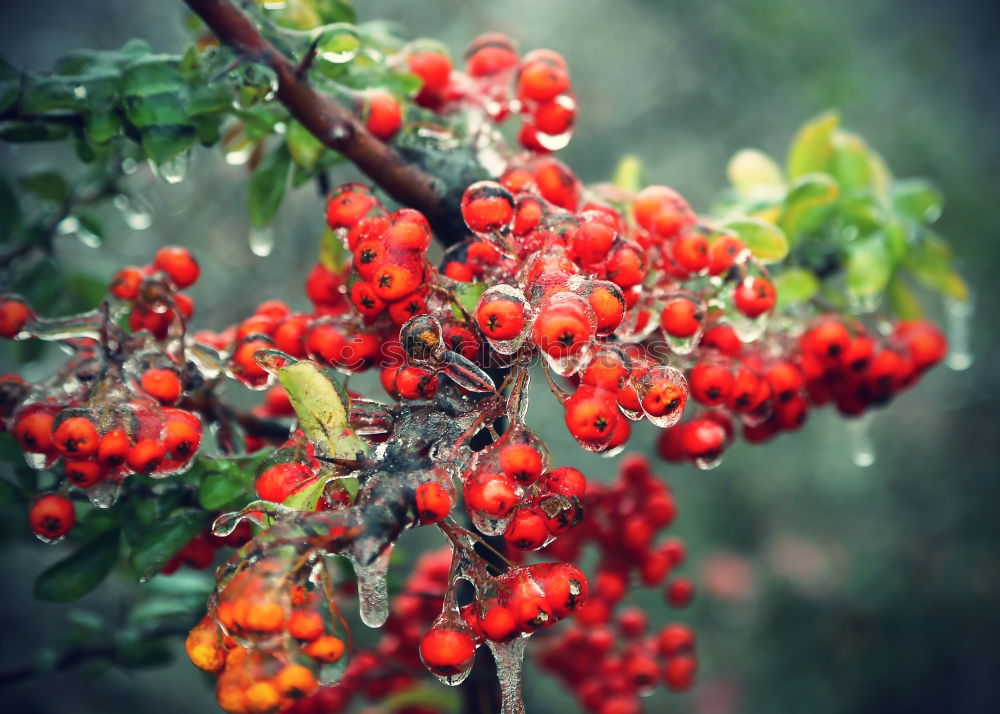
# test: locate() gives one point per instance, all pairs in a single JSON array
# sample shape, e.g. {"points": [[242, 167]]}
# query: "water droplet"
{"points": [[958, 323], [373, 598], [80, 92], [274, 4], [337, 43], [129, 166], [174, 170], [135, 210], [261, 241]]}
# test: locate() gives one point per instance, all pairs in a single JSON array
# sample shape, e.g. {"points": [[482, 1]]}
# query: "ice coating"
{"points": [[373, 596], [958, 324], [859, 436], [509, 658]]}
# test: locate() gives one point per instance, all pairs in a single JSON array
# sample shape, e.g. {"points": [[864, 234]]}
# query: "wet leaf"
{"points": [[267, 185], [80, 572], [164, 540], [162, 143], [468, 295], [855, 165], [153, 74], [903, 301], [224, 483]]}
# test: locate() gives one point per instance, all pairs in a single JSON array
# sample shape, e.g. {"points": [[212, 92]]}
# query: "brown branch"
{"points": [[326, 119]]}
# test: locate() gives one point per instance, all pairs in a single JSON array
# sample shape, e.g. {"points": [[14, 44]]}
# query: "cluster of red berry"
{"points": [[201, 551], [770, 387], [496, 83], [624, 520], [273, 635]]}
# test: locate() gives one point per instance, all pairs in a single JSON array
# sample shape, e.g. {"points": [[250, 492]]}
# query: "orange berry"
{"points": [[325, 649], [305, 625], [296, 681]]}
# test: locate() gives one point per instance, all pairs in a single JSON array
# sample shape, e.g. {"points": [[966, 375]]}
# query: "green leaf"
{"points": [[755, 175], [869, 266], [10, 209], [153, 74], [211, 98], [303, 146], [307, 497], [765, 240], [468, 295], [162, 143], [48, 185], [321, 410], [156, 109], [18, 132], [795, 286], [335, 11], [855, 165], [9, 493], [903, 300], [224, 483], [267, 185], [102, 124], [811, 149], [807, 203], [81, 571], [10, 85], [917, 200], [41, 95], [164, 540]]}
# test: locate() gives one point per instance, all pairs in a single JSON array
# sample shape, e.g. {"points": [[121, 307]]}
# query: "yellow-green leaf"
{"points": [[320, 409], [869, 267], [811, 149], [765, 240], [795, 286], [628, 174], [806, 203], [903, 301], [755, 175]]}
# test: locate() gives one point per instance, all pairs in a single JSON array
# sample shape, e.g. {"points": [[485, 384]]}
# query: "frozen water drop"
{"points": [[860, 440], [373, 597], [129, 166], [174, 170], [338, 42], [958, 321], [274, 4], [135, 210], [261, 241], [80, 92], [509, 657]]}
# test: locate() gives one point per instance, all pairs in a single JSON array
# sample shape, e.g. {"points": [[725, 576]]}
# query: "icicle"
{"points": [[173, 170], [860, 440], [261, 241], [509, 657], [373, 597], [958, 315]]}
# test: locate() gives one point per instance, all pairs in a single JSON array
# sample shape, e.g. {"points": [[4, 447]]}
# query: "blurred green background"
{"points": [[824, 588]]}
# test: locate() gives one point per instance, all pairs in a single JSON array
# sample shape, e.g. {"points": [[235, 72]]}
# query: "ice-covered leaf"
{"points": [[468, 295], [321, 411]]}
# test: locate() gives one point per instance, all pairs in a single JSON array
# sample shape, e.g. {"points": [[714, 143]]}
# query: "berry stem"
{"points": [[328, 120]]}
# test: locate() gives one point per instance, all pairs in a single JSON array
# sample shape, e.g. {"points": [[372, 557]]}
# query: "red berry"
{"points": [[33, 431], [416, 383], [447, 651], [434, 68], [527, 530], [14, 314], [163, 384], [679, 672], [83, 473], [491, 494], [125, 285], [76, 438], [145, 456], [566, 481], [278, 482], [754, 296], [487, 207], [522, 462], [433, 502], [113, 449], [500, 317], [179, 264], [384, 116], [52, 516], [680, 592]]}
